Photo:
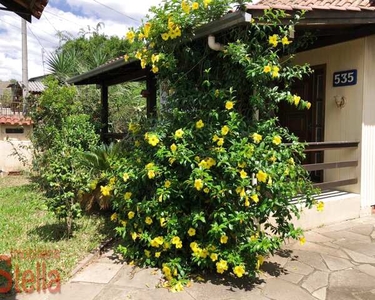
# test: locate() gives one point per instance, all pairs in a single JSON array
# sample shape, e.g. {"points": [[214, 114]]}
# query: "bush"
{"points": [[61, 134], [208, 186]]}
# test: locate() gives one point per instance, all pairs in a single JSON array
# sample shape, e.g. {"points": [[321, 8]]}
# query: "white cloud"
{"points": [[91, 13]]}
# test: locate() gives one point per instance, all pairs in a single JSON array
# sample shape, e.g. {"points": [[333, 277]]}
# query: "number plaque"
{"points": [[344, 78]]}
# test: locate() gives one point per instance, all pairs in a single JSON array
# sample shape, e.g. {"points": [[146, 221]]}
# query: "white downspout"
{"points": [[213, 45]]}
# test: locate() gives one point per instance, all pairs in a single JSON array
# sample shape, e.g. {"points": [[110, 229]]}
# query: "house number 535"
{"points": [[344, 78]]}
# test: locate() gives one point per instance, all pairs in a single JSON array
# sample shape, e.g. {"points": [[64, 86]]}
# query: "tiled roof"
{"points": [[335, 5], [15, 120]]}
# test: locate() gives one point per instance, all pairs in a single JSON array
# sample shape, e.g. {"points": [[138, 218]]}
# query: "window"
{"points": [[14, 130]]}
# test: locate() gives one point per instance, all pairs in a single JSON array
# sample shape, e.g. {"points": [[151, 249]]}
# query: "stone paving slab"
{"points": [[97, 273], [77, 291], [336, 263]]}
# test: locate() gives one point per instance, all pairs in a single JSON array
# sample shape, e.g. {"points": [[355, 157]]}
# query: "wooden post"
{"points": [[104, 111], [151, 95]]}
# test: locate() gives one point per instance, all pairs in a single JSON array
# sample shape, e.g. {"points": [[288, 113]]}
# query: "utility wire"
{"points": [[45, 16], [117, 11], [36, 37], [48, 12], [10, 24], [15, 18]]}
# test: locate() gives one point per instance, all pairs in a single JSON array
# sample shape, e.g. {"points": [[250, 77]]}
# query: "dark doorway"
{"points": [[308, 125]]}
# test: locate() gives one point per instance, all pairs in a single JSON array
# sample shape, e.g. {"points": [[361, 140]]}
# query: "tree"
{"points": [[90, 50]]}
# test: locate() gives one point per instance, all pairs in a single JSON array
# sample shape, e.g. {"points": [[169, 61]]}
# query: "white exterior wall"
{"points": [[343, 124], [368, 128], [21, 142]]}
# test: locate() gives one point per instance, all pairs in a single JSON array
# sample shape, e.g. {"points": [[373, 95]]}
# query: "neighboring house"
{"points": [[36, 87], [339, 127], [16, 127]]}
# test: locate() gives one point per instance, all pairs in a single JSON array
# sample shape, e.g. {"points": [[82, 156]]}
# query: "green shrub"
{"points": [[60, 136], [208, 186]]}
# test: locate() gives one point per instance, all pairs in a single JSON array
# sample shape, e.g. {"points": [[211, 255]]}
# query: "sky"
{"points": [[68, 16]]}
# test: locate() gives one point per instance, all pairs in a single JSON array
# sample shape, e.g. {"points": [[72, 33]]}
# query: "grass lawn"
{"points": [[34, 236]]}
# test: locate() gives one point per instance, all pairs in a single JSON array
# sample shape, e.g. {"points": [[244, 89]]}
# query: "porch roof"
{"points": [[25, 8], [331, 21]]}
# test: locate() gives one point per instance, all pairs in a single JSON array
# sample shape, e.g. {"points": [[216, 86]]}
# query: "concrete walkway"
{"points": [[336, 263]]}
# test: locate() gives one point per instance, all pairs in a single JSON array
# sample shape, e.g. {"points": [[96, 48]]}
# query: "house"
{"points": [[339, 127], [35, 87], [16, 127]]}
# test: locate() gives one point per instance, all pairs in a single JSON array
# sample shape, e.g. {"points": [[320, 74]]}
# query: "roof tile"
{"points": [[350, 5], [15, 120]]}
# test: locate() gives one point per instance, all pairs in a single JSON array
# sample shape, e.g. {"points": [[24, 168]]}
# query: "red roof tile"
{"points": [[15, 120], [350, 5]]}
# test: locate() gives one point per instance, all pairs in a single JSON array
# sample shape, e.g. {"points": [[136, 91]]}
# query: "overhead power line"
{"points": [[45, 16], [117, 11], [10, 24], [70, 21]]}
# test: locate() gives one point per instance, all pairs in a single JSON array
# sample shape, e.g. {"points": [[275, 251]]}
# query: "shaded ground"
{"points": [[336, 263], [13, 180], [33, 236]]}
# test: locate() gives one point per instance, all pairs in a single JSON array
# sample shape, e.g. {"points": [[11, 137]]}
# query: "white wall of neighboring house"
{"points": [[342, 124], [8, 144]]}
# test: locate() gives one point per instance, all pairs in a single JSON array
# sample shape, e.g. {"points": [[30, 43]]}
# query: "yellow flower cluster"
{"points": [[239, 271], [130, 36], [134, 127], [229, 105], [202, 253], [219, 141], [243, 174], [198, 184], [276, 140], [273, 70], [157, 242], [224, 239], [199, 124], [260, 260], [207, 163], [221, 266], [114, 217], [148, 220], [150, 170], [257, 138], [131, 215], [224, 130], [125, 177], [285, 41], [320, 206], [127, 195], [296, 99], [167, 272], [262, 176], [191, 231], [173, 147], [177, 242], [153, 140], [179, 133], [174, 31], [206, 3], [185, 6], [106, 190]]}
